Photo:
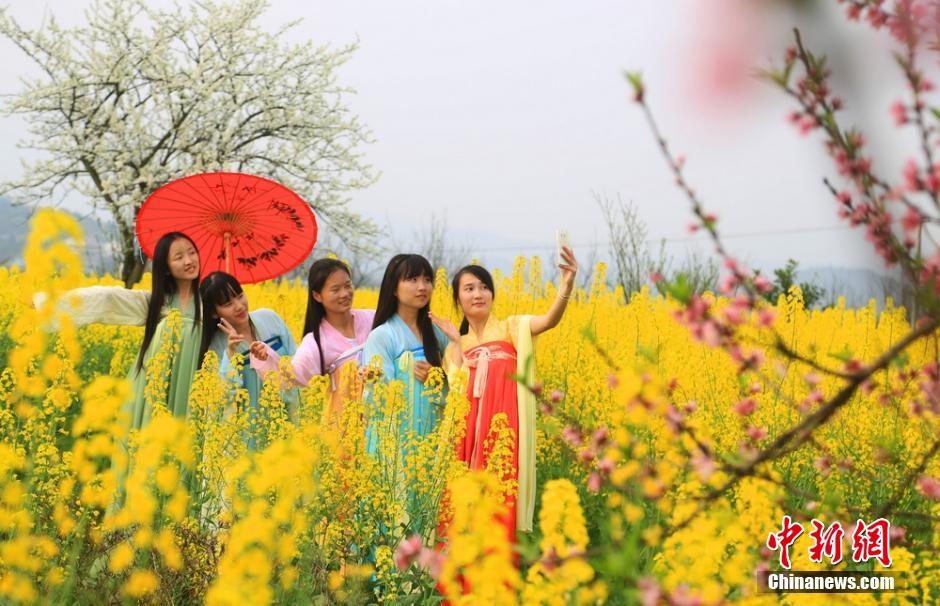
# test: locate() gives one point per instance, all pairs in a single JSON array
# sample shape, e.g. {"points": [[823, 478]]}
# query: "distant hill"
{"points": [[857, 285], [98, 255], [15, 221]]}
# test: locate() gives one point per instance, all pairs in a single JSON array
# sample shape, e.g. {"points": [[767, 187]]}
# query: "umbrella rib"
{"points": [[172, 213], [250, 201], [210, 202], [197, 199], [302, 249], [196, 226], [293, 238], [190, 220], [246, 208], [225, 201], [304, 219], [217, 205], [296, 244], [219, 197], [188, 198], [204, 242], [234, 202], [181, 228], [304, 242]]}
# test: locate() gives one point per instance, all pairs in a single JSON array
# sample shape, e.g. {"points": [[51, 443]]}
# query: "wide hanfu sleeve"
{"points": [[272, 329], [102, 305], [511, 329], [451, 368], [381, 342], [526, 401], [306, 362], [287, 338]]}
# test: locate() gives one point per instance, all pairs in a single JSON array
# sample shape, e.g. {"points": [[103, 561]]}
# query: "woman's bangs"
{"points": [[415, 266], [222, 288]]}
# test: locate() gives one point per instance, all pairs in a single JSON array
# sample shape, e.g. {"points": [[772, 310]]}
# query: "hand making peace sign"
{"points": [[234, 338]]}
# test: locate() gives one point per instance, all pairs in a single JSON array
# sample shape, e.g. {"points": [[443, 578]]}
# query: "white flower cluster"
{"points": [[140, 96]]}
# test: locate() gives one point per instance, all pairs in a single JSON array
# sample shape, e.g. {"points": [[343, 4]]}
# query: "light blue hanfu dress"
{"points": [[387, 440], [398, 349], [271, 330]]}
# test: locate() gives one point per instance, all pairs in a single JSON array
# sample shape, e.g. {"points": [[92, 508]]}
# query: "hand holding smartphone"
{"points": [[561, 240]]}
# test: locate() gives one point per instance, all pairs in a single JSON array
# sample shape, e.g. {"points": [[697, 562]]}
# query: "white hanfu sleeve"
{"points": [[102, 305]]}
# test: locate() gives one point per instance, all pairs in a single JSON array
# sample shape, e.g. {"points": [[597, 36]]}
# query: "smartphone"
{"points": [[561, 239]]}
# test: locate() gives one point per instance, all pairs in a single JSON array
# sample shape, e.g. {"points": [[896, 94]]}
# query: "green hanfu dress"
{"points": [[171, 377], [169, 364], [176, 342]]}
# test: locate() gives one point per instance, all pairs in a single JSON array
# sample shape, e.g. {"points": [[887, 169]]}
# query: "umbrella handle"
{"points": [[228, 252]]}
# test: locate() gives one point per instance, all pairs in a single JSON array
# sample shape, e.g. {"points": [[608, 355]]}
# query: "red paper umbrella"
{"points": [[248, 226]]}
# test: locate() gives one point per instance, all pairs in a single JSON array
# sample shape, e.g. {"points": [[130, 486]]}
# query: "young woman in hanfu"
{"points": [[408, 345], [229, 326], [493, 351], [175, 288], [406, 341], [334, 335]]}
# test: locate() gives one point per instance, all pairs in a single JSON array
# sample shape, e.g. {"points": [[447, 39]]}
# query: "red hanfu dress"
{"points": [[492, 360]]}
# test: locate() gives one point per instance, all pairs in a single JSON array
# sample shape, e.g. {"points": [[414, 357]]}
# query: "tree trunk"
{"points": [[132, 268]]}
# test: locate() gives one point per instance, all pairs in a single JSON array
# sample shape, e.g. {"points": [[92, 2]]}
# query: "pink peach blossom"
{"points": [[766, 317], [911, 176], [899, 113], [756, 433], [650, 592], [762, 284], [704, 465], [406, 551], [595, 482], [745, 407], [432, 561], [929, 487], [600, 437], [571, 435], [897, 533]]}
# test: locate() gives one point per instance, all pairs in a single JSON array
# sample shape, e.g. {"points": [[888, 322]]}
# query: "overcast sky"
{"points": [[505, 116]]}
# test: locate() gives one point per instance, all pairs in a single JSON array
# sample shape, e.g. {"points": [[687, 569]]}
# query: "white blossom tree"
{"points": [[138, 97]]}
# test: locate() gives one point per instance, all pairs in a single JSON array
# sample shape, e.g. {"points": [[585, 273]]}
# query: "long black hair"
{"points": [[319, 272], [164, 285], [477, 272], [402, 267], [217, 288]]}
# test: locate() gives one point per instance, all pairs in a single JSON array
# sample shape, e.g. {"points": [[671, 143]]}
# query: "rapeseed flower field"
{"points": [[641, 426]]}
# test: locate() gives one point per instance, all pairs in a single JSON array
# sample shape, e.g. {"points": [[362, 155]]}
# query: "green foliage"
{"points": [[785, 277]]}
